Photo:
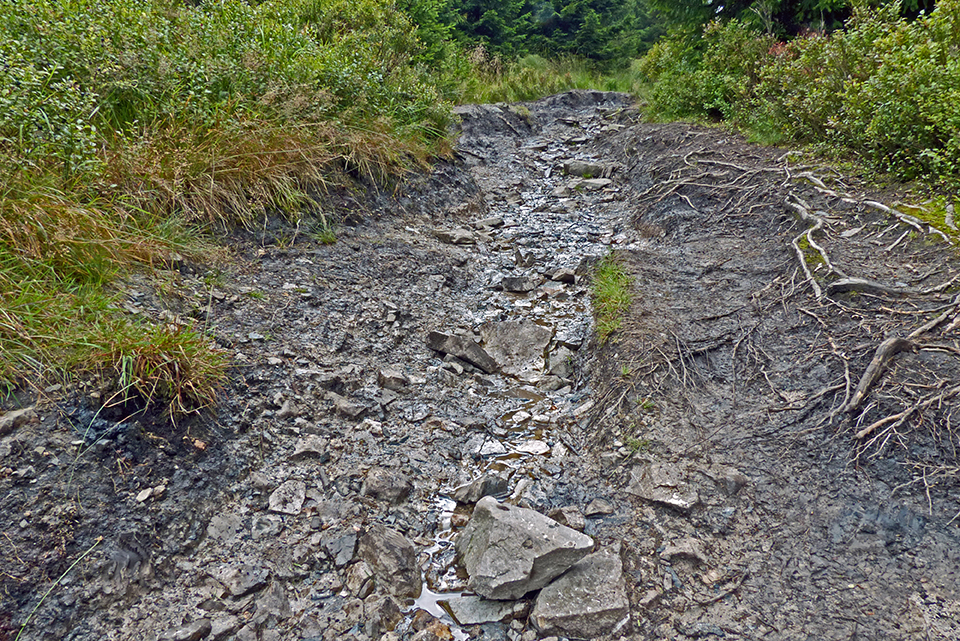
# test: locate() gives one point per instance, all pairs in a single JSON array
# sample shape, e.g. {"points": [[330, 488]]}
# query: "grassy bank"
{"points": [[129, 128]]}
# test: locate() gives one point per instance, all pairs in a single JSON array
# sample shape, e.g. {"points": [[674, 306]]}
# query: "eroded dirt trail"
{"points": [[705, 444]]}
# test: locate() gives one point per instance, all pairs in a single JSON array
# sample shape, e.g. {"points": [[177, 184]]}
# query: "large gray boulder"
{"points": [[509, 551], [588, 601]]}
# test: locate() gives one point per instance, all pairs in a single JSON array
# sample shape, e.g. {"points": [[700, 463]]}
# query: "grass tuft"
{"points": [[611, 296]]}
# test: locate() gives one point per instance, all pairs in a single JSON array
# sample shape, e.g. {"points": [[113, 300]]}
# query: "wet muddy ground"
{"points": [[713, 440]]}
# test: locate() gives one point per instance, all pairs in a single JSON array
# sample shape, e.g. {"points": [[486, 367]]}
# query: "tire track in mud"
{"points": [[341, 417]]}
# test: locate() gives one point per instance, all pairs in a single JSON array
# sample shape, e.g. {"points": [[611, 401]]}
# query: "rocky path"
{"points": [[441, 352]]}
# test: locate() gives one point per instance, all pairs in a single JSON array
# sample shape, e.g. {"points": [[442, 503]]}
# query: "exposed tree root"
{"points": [[887, 350]]}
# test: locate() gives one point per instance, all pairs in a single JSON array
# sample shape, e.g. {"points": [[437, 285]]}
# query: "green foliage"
{"points": [[608, 32], [777, 17], [712, 77], [533, 77], [884, 88], [121, 65], [123, 121]]}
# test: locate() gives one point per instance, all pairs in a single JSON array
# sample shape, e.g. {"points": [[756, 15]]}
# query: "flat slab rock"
{"points": [[586, 602], [509, 551], [516, 346], [663, 483], [468, 609]]}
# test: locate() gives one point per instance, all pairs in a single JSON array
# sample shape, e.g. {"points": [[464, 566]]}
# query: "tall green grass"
{"points": [[612, 296], [533, 77]]}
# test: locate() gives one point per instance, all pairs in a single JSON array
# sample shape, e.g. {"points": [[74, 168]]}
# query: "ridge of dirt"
{"points": [[727, 384]]}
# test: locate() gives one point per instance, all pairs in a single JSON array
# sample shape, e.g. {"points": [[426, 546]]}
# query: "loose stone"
{"points": [[288, 498], [586, 602], [509, 551], [393, 561]]}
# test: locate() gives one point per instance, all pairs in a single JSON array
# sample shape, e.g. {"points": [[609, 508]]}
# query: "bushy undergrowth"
{"points": [[883, 88]]}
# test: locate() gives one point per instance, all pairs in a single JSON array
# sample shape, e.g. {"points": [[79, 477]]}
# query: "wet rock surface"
{"points": [[586, 602], [509, 551], [367, 398]]}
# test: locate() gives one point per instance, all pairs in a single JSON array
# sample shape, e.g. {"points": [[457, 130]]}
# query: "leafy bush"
{"points": [[884, 88], [670, 67], [713, 76]]}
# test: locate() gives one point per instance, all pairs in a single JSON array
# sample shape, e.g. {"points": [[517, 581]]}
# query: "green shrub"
{"points": [[670, 67], [714, 76], [884, 88]]}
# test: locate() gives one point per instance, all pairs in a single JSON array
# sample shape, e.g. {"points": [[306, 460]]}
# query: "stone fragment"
{"points": [[265, 526], [535, 447], [519, 284], [274, 601], [564, 275], [561, 362], [594, 184], [586, 602], [224, 627], [569, 516], [224, 526], [516, 346], [598, 507], [729, 478], [288, 409], [340, 546], [311, 446], [289, 497], [584, 169], [437, 632], [16, 418], [359, 580], [463, 348], [486, 485], [483, 446], [382, 614], [392, 378], [688, 548], [489, 223], [458, 236], [509, 551], [194, 631], [663, 483], [385, 484], [468, 609], [393, 561], [242, 580], [524, 260], [345, 407]]}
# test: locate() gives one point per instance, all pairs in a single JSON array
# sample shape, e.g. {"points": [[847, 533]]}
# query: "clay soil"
{"points": [[731, 387]]}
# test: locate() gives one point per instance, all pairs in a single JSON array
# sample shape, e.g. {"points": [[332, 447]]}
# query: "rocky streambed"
{"points": [[423, 438]]}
